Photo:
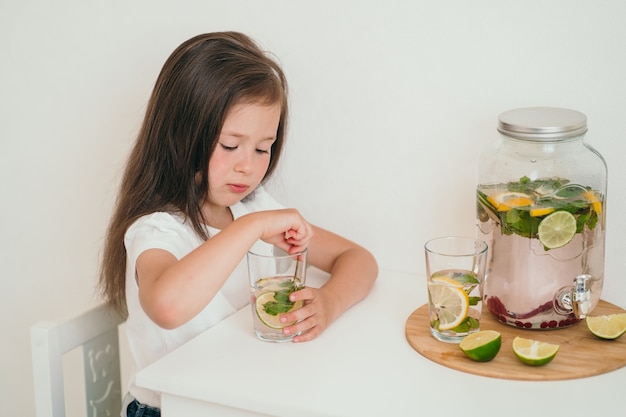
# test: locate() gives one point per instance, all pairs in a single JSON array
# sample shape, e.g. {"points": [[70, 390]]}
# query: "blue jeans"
{"points": [[136, 409]]}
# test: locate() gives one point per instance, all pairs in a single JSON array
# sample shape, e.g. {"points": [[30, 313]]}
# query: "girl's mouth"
{"points": [[238, 188]]}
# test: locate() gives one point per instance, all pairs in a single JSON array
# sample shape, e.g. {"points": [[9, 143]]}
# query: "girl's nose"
{"points": [[244, 163]]}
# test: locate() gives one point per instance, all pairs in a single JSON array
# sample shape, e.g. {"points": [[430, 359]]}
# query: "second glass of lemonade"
{"points": [[455, 269]]}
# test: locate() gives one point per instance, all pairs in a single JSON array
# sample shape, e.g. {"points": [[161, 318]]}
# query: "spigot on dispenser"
{"points": [[575, 299]]}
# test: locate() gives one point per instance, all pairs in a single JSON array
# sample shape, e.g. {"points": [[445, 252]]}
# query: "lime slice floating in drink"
{"points": [[450, 300], [482, 346], [610, 326], [557, 229], [271, 320], [533, 352]]}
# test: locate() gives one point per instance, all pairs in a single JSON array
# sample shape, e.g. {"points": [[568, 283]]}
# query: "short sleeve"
{"points": [[160, 231]]}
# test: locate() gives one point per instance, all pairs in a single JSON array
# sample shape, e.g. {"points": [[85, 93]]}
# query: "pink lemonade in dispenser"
{"points": [[540, 204]]}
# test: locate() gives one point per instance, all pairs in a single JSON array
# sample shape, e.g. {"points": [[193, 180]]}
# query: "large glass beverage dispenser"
{"points": [[541, 207]]}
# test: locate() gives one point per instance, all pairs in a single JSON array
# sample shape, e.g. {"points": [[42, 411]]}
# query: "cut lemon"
{"points": [[608, 327], [508, 200], [492, 201], [541, 211], [533, 352], [440, 278], [450, 302], [557, 229], [595, 203], [481, 346], [272, 321]]}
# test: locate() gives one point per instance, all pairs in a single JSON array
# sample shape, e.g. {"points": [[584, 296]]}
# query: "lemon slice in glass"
{"points": [[444, 279], [481, 346], [450, 301], [533, 352], [272, 321], [557, 229], [608, 327]]}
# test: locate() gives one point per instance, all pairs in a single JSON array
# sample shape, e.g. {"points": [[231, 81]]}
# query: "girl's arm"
{"points": [[353, 271], [173, 291]]}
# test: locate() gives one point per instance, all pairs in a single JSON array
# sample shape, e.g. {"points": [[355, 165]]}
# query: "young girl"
{"points": [[191, 205]]}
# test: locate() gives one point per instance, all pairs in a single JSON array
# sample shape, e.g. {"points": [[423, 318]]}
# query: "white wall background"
{"points": [[391, 103]]}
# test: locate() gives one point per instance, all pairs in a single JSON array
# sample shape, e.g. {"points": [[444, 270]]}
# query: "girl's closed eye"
{"points": [[228, 148], [263, 151]]}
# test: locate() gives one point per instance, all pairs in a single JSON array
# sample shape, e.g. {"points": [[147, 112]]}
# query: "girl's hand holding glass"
{"points": [[313, 318]]}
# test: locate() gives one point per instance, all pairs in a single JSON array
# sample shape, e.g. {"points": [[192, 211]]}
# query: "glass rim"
{"points": [[480, 246], [296, 255]]}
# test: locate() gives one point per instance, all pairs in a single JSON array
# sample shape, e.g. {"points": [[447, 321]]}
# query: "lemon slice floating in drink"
{"points": [[541, 211], [271, 320], [444, 279], [595, 202], [533, 352], [482, 346], [507, 200], [450, 300], [557, 229], [610, 326]]}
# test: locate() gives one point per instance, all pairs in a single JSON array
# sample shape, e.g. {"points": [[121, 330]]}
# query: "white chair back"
{"points": [[96, 332]]}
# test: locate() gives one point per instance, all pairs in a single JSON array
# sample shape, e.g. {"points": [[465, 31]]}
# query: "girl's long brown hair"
{"points": [[199, 83]]}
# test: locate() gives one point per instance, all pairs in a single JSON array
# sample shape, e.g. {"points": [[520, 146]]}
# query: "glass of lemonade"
{"points": [[272, 279], [455, 269]]}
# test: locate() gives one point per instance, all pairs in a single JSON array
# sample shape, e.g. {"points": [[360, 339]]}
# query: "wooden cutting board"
{"points": [[581, 354]]}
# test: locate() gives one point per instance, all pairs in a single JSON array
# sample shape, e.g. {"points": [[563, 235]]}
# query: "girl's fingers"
{"points": [[297, 245]]}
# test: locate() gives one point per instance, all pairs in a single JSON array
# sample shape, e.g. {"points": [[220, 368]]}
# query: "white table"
{"points": [[361, 366]]}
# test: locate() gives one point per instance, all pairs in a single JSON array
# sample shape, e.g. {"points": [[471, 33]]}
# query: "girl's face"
{"points": [[242, 155]]}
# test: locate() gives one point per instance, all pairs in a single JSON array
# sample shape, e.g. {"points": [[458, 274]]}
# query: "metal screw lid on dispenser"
{"points": [[542, 123], [541, 208]]}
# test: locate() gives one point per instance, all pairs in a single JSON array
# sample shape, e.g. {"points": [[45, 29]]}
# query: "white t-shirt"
{"points": [[149, 342]]}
